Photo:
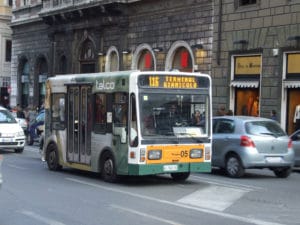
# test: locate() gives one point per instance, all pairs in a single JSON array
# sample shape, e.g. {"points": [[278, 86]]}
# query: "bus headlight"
{"points": [[196, 153], [154, 154]]}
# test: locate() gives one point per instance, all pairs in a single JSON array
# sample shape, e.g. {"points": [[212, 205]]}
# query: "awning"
{"points": [[244, 84], [291, 84]]}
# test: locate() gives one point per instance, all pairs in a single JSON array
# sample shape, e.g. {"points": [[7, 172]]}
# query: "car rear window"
{"points": [[6, 117], [264, 128]]}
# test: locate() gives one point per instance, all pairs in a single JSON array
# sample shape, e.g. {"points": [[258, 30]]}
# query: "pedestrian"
{"points": [[221, 111], [20, 113], [273, 115]]}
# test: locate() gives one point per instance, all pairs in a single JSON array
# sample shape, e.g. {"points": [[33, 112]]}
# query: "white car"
{"points": [[11, 133], [22, 121]]}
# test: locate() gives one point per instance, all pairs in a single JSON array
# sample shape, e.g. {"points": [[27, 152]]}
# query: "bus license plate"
{"points": [[168, 168]]}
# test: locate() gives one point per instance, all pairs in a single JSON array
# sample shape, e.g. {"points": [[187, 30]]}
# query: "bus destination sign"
{"points": [[173, 81]]}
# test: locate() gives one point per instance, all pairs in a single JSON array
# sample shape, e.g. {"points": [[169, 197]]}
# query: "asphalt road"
{"points": [[33, 195]]}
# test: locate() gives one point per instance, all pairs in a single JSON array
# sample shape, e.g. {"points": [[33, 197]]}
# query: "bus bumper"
{"points": [[151, 169]]}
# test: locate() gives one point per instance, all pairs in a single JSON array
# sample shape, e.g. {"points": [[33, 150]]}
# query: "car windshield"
{"points": [[264, 128], [177, 115], [6, 117]]}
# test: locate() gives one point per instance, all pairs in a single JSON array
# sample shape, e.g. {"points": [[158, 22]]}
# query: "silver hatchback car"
{"points": [[241, 142]]}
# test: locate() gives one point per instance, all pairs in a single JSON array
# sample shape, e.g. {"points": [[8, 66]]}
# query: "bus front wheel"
{"points": [[108, 168], [180, 176], [52, 158]]}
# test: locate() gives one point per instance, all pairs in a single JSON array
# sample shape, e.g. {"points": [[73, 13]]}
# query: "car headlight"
{"points": [[196, 153], [20, 134], [154, 154]]}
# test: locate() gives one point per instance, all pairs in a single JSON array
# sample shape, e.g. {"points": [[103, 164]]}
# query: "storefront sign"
{"points": [[247, 65], [293, 66]]}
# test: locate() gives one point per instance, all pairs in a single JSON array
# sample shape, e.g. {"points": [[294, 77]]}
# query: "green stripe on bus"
{"points": [[159, 168]]}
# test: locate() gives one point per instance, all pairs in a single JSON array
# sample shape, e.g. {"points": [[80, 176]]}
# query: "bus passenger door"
{"points": [[79, 124]]}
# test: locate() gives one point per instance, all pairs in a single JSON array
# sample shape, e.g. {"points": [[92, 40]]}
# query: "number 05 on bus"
{"points": [[129, 123]]}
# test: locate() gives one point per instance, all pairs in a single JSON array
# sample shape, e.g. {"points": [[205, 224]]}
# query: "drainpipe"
{"points": [[219, 32]]}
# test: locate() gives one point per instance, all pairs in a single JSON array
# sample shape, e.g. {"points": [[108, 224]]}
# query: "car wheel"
{"points": [[234, 167], [52, 158], [19, 150], [282, 172], [180, 176], [108, 168]]}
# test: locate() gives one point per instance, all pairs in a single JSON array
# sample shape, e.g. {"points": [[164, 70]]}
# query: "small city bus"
{"points": [[129, 123]]}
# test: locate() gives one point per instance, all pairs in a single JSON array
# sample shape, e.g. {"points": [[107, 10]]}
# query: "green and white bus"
{"points": [[129, 123]]}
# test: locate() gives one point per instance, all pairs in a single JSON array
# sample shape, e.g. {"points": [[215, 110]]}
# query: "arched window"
{"points": [[182, 60], [146, 62], [114, 61], [87, 57], [24, 83], [63, 65], [42, 75]]}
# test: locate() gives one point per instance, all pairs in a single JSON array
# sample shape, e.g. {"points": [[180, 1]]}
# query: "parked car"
{"points": [[296, 146], [22, 121], [1, 159], [35, 128], [11, 133], [241, 143]]}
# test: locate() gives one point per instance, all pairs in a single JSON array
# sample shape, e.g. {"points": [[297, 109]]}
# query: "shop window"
{"points": [[247, 101]]}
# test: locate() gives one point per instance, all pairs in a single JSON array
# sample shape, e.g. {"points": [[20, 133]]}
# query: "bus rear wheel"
{"points": [[108, 168], [180, 176], [52, 158]]}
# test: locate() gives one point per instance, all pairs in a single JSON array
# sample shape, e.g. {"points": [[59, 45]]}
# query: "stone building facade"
{"points": [[251, 48], [79, 36], [256, 55], [5, 51]]}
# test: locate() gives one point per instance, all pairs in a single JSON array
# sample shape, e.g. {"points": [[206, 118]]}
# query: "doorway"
{"points": [[79, 124]]}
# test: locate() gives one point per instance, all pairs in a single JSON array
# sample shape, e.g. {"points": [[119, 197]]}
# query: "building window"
{"points": [[246, 2], [10, 2], [8, 51]]}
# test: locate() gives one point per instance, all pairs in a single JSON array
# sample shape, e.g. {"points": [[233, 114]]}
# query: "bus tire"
{"points": [[180, 176], [52, 158], [108, 167]]}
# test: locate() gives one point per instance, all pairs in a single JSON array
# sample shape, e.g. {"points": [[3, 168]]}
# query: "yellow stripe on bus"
{"points": [[175, 153]]}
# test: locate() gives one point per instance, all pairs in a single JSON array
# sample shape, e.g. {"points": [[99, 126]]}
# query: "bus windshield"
{"points": [[173, 114]]}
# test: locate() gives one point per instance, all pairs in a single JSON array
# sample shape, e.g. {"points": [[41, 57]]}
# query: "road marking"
{"points": [[145, 215], [225, 183], [204, 210], [213, 197], [41, 218]]}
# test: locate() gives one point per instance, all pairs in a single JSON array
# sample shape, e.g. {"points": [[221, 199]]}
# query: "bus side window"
{"points": [[100, 113], [58, 111], [120, 114]]}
